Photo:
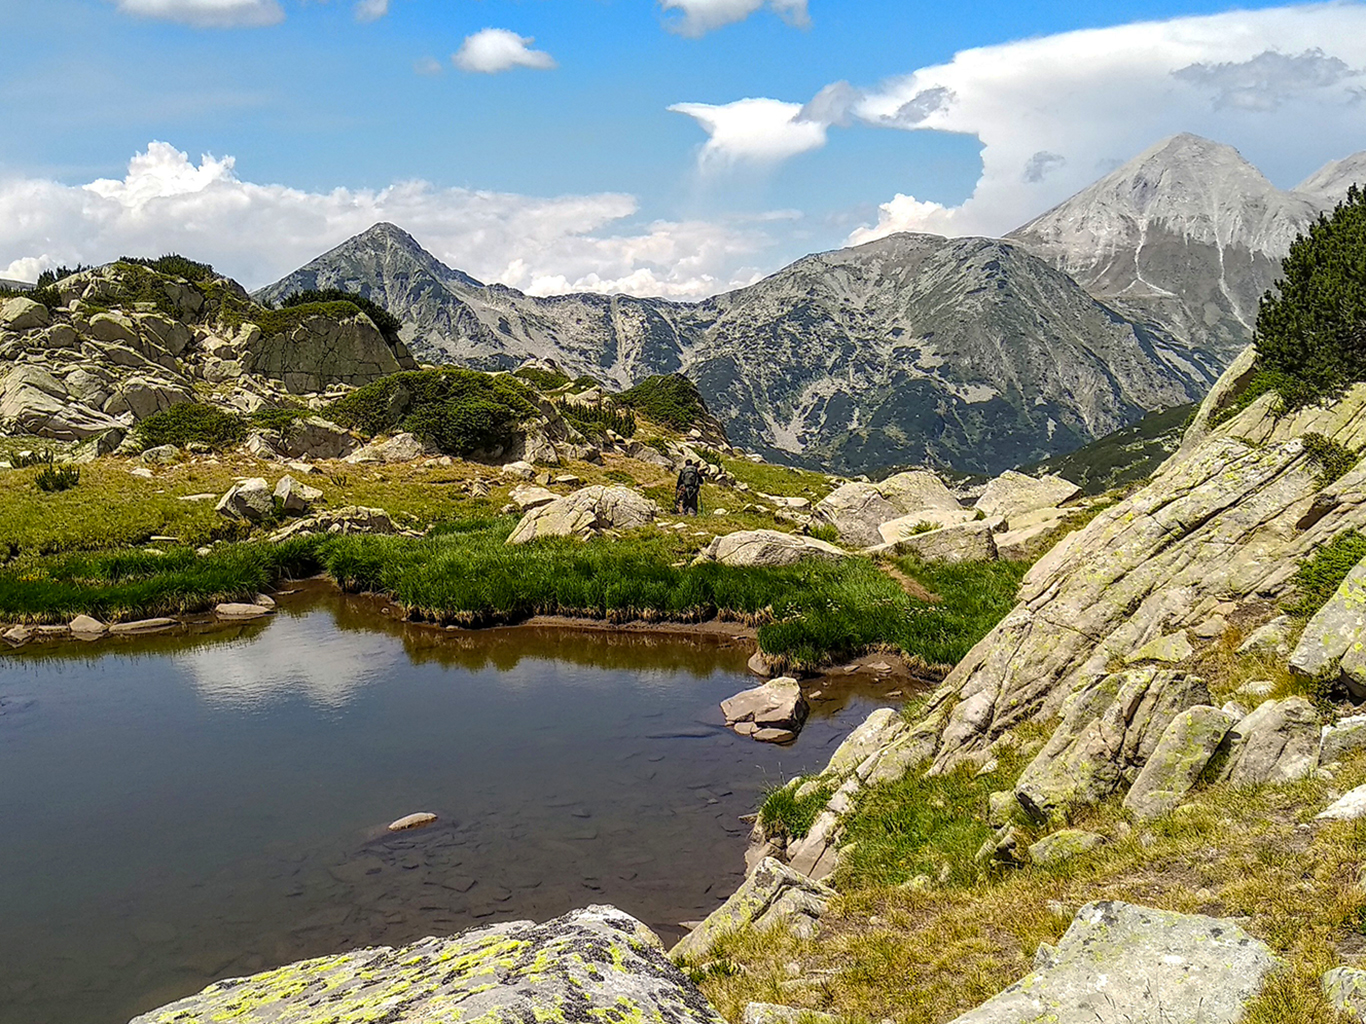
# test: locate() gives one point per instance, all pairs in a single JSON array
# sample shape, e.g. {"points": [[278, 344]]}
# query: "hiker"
{"points": [[689, 488]]}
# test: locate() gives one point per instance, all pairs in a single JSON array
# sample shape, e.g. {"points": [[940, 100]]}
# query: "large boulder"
{"points": [[1014, 494], [399, 448], [773, 712], [768, 548], [856, 511], [970, 542], [249, 500], [594, 964], [295, 497], [142, 396], [1346, 736], [922, 521], [32, 401], [1030, 535], [919, 490], [316, 438], [1120, 964], [585, 514], [1278, 742], [1339, 627], [1108, 732], [1181, 755], [773, 895], [22, 314]]}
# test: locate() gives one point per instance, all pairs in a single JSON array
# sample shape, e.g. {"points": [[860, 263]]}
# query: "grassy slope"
{"points": [[83, 551]]}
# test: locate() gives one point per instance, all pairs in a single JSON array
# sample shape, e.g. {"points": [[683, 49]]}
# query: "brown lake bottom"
{"points": [[183, 809]]}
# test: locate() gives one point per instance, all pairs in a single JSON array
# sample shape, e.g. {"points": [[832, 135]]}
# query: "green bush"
{"points": [[1320, 576], [174, 265], [1332, 458], [782, 810], [23, 460], [462, 412], [57, 478], [388, 324], [594, 419], [1312, 331], [542, 379], [191, 422], [671, 401], [279, 418]]}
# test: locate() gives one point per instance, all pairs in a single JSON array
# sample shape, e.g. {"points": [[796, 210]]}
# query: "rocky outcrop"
{"points": [[1334, 641], [322, 350], [1278, 742], [1062, 846], [772, 896], [1348, 807], [1120, 963], [1346, 736], [919, 490], [399, 448], [923, 521], [21, 314], [1182, 754], [768, 548], [1223, 522], [1014, 494], [293, 497], [346, 520], [856, 511], [969, 542], [33, 401], [1108, 732], [592, 964], [586, 514], [316, 438], [772, 713]]}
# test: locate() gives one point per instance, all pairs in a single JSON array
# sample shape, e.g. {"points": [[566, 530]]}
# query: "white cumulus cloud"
{"points": [[758, 131], [496, 49], [208, 13], [257, 233], [1055, 113], [698, 17]]}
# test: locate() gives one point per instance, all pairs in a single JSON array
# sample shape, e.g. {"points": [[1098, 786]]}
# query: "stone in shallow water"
{"points": [[594, 964], [419, 820], [1120, 963]]}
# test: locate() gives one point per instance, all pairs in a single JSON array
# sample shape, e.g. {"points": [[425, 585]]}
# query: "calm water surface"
{"points": [[178, 810]]}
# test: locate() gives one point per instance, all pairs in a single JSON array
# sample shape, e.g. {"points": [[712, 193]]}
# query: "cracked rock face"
{"points": [[768, 548], [773, 894], [1120, 963], [1228, 518], [594, 964], [585, 514]]}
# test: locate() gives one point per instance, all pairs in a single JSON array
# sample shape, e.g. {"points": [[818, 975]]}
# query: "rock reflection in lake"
{"points": [[181, 809]]}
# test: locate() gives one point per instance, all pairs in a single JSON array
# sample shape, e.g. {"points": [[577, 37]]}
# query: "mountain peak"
{"points": [[386, 233], [1329, 184]]}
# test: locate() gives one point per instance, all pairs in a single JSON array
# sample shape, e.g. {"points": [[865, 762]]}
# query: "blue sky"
{"points": [[600, 182]]}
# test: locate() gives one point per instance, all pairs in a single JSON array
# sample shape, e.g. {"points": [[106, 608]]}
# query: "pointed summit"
{"points": [[1328, 185], [1187, 236]]}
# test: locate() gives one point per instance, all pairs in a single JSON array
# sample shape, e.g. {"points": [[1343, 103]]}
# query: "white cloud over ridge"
{"points": [[258, 233], [753, 131], [698, 17], [496, 49], [208, 13], [1055, 113]]}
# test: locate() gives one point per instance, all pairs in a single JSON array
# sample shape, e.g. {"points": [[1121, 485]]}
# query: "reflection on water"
{"points": [[180, 809]]}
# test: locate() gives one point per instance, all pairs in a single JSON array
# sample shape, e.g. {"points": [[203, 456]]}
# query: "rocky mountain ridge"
{"points": [[1186, 238], [913, 348]]}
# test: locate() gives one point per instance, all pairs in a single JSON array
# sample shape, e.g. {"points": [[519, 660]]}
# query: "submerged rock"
{"points": [[419, 820], [594, 964], [772, 895], [1120, 963]]}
